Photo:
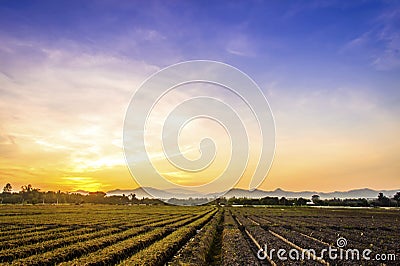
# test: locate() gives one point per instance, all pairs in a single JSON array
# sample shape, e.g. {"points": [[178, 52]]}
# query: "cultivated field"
{"points": [[158, 235]]}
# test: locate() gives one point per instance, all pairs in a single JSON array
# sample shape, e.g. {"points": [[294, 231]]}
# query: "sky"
{"points": [[330, 71]]}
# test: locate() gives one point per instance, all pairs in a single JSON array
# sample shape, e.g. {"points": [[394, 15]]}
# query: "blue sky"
{"points": [[330, 70], [338, 42]]}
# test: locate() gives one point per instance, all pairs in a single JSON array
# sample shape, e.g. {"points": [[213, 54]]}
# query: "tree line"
{"points": [[380, 201], [31, 195]]}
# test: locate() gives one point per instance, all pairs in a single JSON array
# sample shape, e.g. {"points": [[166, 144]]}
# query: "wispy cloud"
{"points": [[381, 43], [241, 45], [389, 37]]}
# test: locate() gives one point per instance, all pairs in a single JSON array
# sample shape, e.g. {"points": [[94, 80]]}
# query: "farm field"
{"points": [[202, 235]]}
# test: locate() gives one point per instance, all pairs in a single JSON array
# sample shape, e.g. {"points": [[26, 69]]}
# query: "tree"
{"points": [[315, 199], [7, 188], [27, 188], [283, 201], [383, 200], [381, 196], [302, 201], [30, 194], [132, 197], [96, 197], [396, 197]]}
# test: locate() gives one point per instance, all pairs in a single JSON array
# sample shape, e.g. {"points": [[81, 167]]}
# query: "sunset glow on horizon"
{"points": [[330, 72]]}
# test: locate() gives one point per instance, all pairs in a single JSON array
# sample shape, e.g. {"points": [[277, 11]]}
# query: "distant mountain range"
{"points": [[236, 192]]}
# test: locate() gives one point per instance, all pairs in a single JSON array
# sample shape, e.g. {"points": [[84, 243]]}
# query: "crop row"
{"points": [[334, 218], [70, 247], [303, 233], [27, 250], [81, 220], [26, 216], [235, 249], [122, 249], [82, 246], [357, 234], [161, 251], [16, 230], [378, 230], [196, 249], [43, 236], [272, 240]]}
